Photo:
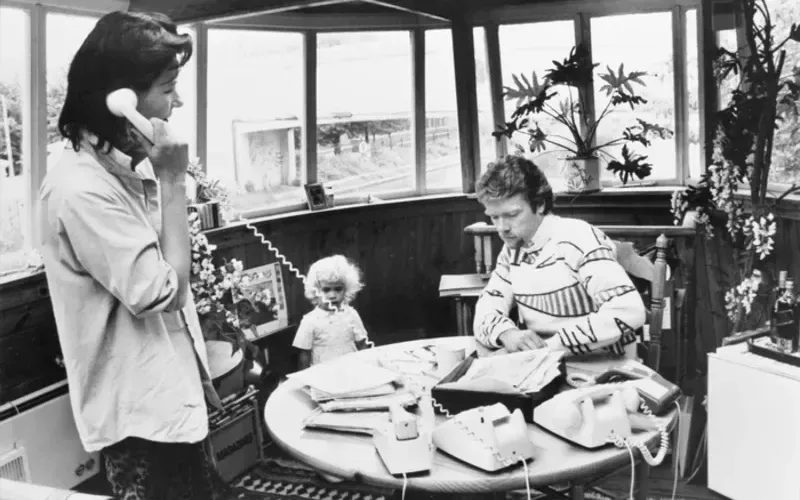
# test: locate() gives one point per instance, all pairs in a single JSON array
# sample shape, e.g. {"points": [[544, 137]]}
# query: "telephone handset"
{"points": [[122, 102], [595, 415], [405, 444], [657, 392]]}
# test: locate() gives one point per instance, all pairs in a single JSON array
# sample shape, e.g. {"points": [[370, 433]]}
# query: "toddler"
{"points": [[333, 328]]}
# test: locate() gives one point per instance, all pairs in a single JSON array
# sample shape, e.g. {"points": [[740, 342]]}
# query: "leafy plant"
{"points": [[562, 95], [742, 156]]}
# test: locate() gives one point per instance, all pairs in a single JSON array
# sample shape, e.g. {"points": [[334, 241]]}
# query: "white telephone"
{"points": [[406, 445], [488, 437], [596, 415]]}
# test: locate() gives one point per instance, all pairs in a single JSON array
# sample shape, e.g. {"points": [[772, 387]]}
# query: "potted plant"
{"points": [[209, 199], [562, 96], [741, 162]]}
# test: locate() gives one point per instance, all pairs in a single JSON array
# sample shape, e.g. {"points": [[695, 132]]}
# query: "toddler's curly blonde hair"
{"points": [[336, 268]]}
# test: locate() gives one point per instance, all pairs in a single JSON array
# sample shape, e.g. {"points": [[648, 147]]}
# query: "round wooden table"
{"points": [[353, 456]]}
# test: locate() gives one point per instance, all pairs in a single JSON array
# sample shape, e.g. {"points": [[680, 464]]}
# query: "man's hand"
{"points": [[520, 340], [168, 154]]}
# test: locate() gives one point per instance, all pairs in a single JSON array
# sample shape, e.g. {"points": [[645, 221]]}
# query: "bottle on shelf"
{"points": [[784, 315]]}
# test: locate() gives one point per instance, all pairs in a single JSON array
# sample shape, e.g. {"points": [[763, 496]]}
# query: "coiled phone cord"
{"points": [[286, 262]]}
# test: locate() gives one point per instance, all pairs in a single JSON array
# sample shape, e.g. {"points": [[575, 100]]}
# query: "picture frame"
{"points": [[315, 196]]}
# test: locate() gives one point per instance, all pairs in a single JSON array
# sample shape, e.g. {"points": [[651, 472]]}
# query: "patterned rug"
{"points": [[280, 479]]}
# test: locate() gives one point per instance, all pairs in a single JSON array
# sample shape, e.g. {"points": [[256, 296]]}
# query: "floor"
{"points": [[661, 484]]}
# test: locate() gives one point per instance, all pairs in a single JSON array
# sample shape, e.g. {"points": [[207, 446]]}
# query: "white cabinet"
{"points": [[753, 426]]}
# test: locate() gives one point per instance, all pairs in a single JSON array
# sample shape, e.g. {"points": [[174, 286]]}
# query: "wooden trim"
{"points": [[418, 123], [492, 35], [201, 92], [34, 117], [309, 134], [75, 7], [245, 10], [332, 22], [708, 83], [427, 8], [483, 228], [583, 35], [551, 11], [467, 102], [680, 92]]}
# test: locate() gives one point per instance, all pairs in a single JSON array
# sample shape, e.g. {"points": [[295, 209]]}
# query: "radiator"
{"points": [[40, 444]]}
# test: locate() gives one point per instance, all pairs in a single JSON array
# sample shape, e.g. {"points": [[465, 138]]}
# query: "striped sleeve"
{"points": [[494, 304], [619, 307]]}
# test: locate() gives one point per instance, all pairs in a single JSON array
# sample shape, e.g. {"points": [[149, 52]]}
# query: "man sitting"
{"points": [[562, 273]]}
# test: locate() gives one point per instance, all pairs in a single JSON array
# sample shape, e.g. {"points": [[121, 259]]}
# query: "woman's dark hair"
{"points": [[124, 50], [514, 175]]}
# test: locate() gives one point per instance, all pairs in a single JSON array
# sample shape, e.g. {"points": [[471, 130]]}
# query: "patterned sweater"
{"points": [[568, 288]]}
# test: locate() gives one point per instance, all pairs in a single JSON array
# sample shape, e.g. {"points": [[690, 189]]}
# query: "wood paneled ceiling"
{"points": [[204, 10]]}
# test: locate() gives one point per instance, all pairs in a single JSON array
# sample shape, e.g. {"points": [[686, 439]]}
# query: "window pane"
{"points": [[364, 140], [786, 146], [65, 35], [527, 50], [14, 224], [255, 100], [651, 52], [442, 156], [695, 153], [184, 119], [487, 149]]}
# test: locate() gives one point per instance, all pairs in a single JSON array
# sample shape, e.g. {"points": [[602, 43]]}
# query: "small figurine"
{"points": [[333, 328]]}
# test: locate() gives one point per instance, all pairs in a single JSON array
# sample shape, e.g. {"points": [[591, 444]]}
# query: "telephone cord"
{"points": [[286, 262], [405, 485]]}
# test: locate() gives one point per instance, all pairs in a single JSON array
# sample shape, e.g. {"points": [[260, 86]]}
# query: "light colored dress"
{"points": [[329, 334]]}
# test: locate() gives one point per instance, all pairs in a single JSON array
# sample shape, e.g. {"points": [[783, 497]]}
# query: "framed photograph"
{"points": [[315, 195], [267, 301]]}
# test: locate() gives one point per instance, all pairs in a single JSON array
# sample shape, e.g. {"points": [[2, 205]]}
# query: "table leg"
{"points": [[642, 480], [577, 492], [460, 316]]}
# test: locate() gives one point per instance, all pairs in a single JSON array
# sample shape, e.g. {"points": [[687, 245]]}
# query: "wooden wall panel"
{"points": [[28, 339]]}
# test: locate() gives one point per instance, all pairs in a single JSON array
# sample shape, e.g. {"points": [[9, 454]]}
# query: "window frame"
{"points": [[581, 12], [326, 23]]}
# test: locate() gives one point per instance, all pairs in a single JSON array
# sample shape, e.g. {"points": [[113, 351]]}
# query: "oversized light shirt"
{"points": [[567, 286], [135, 359]]}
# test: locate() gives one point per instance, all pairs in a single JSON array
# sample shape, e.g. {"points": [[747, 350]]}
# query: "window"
{"points": [[442, 152], [14, 224], [65, 35], [364, 102], [528, 49], [695, 153], [786, 147], [645, 46], [255, 101]]}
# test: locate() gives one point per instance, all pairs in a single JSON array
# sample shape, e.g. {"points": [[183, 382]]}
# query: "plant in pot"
{"points": [[562, 96], [734, 193], [210, 199]]}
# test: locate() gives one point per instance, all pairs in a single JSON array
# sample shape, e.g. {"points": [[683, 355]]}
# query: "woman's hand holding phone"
{"points": [[168, 153]]}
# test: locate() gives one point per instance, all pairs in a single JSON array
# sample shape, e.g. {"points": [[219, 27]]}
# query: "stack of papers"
{"points": [[361, 423], [354, 386], [523, 372]]}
